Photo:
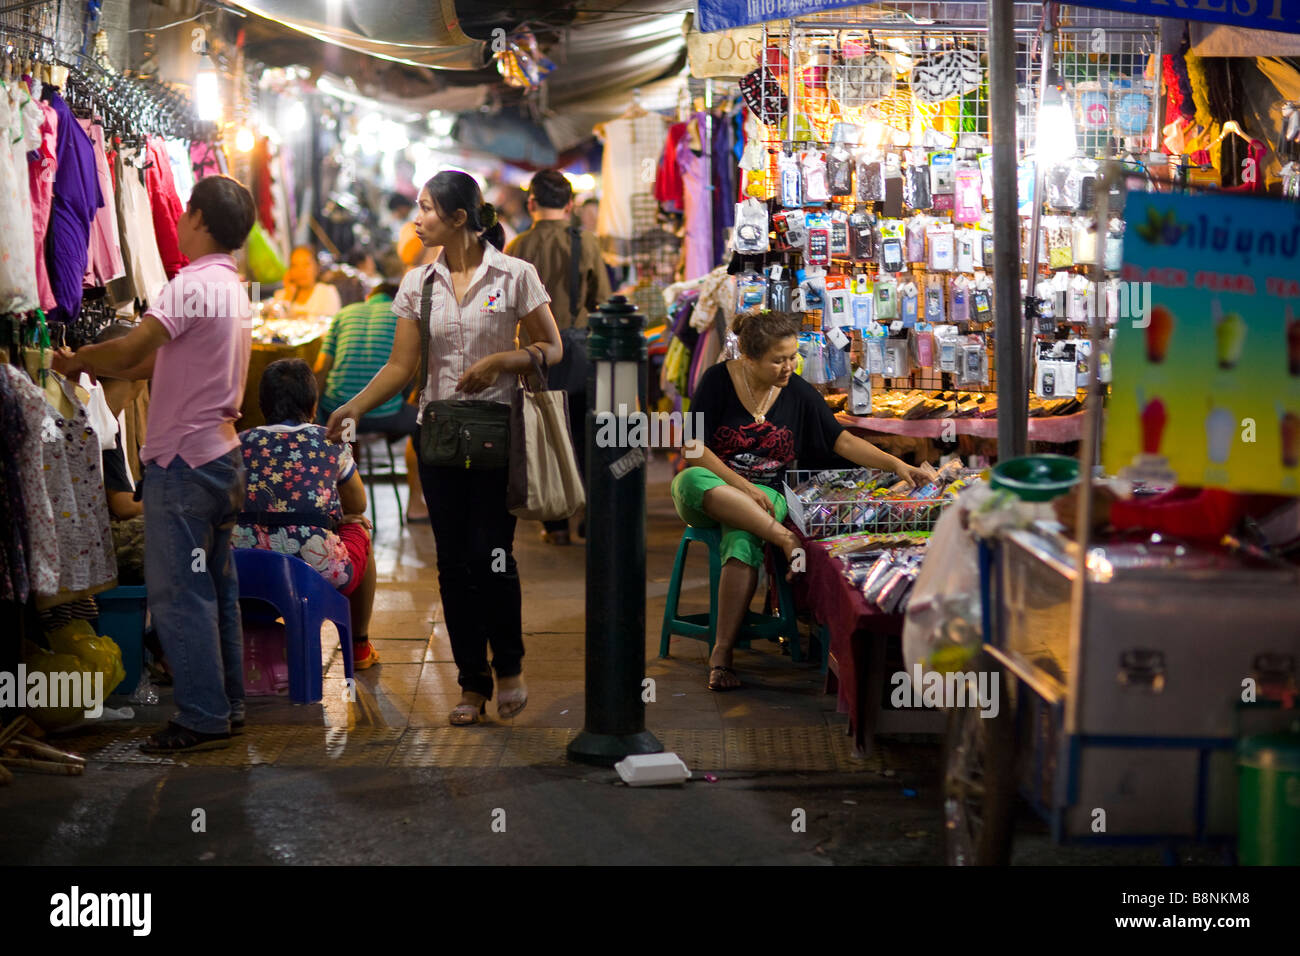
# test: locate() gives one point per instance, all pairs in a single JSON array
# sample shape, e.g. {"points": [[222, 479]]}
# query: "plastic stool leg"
{"points": [[674, 596], [392, 476], [303, 653], [715, 575], [789, 620]]}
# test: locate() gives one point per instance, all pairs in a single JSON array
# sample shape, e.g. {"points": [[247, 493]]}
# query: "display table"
{"points": [[860, 635], [1056, 429], [261, 356]]}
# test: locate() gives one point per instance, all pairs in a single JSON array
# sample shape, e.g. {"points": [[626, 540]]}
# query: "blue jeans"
{"points": [[189, 514]]}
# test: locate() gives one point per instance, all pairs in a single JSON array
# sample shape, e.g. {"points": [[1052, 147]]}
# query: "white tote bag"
{"points": [[544, 482]]}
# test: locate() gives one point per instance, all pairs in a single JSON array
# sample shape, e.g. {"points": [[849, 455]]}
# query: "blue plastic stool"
{"points": [[704, 626], [306, 601], [121, 617]]}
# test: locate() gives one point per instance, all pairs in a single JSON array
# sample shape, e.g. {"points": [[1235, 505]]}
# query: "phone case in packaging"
{"points": [[839, 233], [986, 249], [942, 174], [791, 181], [886, 298], [893, 205], [973, 365], [862, 235], [968, 205], [934, 310], [818, 250], [940, 240], [873, 344], [750, 235], [860, 392], [897, 364], [839, 172], [814, 177], [837, 311], [945, 344], [864, 301], [966, 241], [812, 347], [1114, 255], [916, 238], [959, 299], [922, 344], [981, 301], [917, 188], [751, 291], [908, 294], [871, 179]]}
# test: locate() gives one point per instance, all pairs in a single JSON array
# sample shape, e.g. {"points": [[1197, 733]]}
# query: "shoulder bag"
{"points": [[456, 433], [544, 482]]}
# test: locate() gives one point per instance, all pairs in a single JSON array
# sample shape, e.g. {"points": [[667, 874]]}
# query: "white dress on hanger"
{"points": [[135, 217], [17, 259]]}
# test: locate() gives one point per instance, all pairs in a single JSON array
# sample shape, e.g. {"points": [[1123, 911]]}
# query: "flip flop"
{"points": [[715, 684]]}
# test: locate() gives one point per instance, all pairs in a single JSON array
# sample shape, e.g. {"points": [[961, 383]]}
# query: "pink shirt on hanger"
{"points": [[41, 166], [105, 261]]}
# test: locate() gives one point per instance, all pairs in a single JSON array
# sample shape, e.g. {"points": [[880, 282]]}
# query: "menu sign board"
{"points": [[1206, 387]]}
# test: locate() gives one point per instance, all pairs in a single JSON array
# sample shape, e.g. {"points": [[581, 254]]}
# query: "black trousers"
{"points": [[477, 575]]}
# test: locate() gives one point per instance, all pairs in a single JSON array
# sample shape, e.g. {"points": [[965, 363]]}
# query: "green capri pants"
{"points": [[688, 490]]}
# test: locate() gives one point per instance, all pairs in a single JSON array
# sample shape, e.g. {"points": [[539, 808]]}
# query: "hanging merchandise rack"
{"points": [[905, 85]]}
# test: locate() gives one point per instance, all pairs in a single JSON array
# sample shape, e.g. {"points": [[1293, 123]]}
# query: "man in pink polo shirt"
{"points": [[194, 342]]}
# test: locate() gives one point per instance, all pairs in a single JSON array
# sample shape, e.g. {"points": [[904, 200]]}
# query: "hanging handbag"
{"points": [[544, 482], [455, 433]]}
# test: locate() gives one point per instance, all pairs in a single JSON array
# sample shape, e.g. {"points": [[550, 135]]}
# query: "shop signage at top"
{"points": [[1281, 15]]}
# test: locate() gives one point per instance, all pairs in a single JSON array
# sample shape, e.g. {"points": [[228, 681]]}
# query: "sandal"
{"points": [[511, 702], [371, 658], [716, 673], [175, 739], [465, 715]]}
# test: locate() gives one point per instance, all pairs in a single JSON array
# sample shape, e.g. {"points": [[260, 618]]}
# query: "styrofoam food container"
{"points": [[652, 770]]}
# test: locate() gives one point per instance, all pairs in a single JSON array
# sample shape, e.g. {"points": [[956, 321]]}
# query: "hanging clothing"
{"points": [[77, 199], [178, 156], [698, 240], [165, 205], [144, 263], [15, 452], [17, 259], [207, 159], [105, 263], [668, 177], [631, 150], [42, 166], [724, 182]]}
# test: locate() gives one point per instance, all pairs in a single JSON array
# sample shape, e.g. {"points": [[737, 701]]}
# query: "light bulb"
{"points": [[296, 117], [207, 91], [1057, 132], [245, 140]]}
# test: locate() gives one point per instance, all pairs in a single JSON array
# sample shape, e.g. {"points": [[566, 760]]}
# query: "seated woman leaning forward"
{"points": [[758, 417]]}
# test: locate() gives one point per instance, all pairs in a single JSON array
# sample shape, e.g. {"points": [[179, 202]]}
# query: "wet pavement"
{"points": [[384, 779]]}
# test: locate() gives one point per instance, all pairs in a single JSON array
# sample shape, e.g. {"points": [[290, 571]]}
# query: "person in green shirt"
{"points": [[355, 347]]}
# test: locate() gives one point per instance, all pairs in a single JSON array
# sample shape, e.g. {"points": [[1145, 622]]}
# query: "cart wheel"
{"points": [[979, 782]]}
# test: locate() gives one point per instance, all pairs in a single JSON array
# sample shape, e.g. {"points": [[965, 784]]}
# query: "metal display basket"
{"points": [[859, 512]]}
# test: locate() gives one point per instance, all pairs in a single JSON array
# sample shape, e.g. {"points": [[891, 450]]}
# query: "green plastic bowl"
{"points": [[1037, 477]]}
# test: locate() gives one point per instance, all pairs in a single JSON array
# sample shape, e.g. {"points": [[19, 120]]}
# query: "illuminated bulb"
{"points": [[207, 91], [244, 140], [1057, 136], [296, 117]]}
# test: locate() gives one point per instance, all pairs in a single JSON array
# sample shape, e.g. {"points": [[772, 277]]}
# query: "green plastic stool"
{"points": [[704, 626]]}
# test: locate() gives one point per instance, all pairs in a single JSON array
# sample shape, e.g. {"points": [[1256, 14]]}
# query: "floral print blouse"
{"points": [[292, 468]]}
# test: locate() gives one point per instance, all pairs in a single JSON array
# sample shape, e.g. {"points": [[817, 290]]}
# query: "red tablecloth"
{"points": [[1055, 428], [858, 631]]}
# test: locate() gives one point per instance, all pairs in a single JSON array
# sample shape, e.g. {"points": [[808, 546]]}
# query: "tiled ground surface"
{"points": [[780, 721]]}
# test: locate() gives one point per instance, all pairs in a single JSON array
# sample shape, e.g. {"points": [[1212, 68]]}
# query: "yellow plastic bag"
{"points": [[46, 676], [96, 652], [264, 261]]}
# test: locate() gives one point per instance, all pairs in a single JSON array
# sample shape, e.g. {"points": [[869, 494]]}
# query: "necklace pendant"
{"points": [[760, 419]]}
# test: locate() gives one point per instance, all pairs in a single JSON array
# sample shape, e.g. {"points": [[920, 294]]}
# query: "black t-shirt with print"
{"points": [[799, 426]]}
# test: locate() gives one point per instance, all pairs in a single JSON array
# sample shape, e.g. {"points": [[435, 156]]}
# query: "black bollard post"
{"points": [[615, 712]]}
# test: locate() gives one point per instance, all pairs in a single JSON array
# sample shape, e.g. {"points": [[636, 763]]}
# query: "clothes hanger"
{"points": [[635, 110], [1231, 127]]}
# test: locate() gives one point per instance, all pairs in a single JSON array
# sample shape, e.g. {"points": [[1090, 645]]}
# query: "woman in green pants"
{"points": [[758, 417]]}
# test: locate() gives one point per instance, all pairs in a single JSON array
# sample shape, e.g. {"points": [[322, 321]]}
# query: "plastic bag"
{"points": [[78, 675], [942, 630], [264, 262], [97, 652]]}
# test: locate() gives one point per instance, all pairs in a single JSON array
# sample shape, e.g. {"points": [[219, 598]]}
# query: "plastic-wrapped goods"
{"points": [[968, 204], [891, 245], [981, 299], [751, 290], [945, 342], [791, 178], [813, 165], [908, 296], [871, 177], [886, 298], [818, 251], [965, 241], [839, 233], [750, 235], [922, 343], [837, 312], [959, 299], [897, 363], [916, 188], [864, 301], [934, 305], [839, 171], [973, 361], [941, 247], [1114, 256], [812, 346], [873, 346], [915, 245], [862, 235]]}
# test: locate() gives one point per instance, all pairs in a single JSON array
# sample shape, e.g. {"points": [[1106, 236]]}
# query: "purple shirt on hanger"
{"points": [[77, 199]]}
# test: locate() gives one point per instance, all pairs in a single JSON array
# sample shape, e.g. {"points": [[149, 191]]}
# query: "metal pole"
{"points": [[1158, 127], [1040, 186], [614, 726], [793, 97], [1008, 314]]}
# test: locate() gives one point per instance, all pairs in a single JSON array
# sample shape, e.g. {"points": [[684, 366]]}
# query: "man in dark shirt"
{"points": [[549, 246]]}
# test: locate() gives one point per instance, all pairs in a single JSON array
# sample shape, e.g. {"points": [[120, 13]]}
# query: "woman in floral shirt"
{"points": [[305, 496]]}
